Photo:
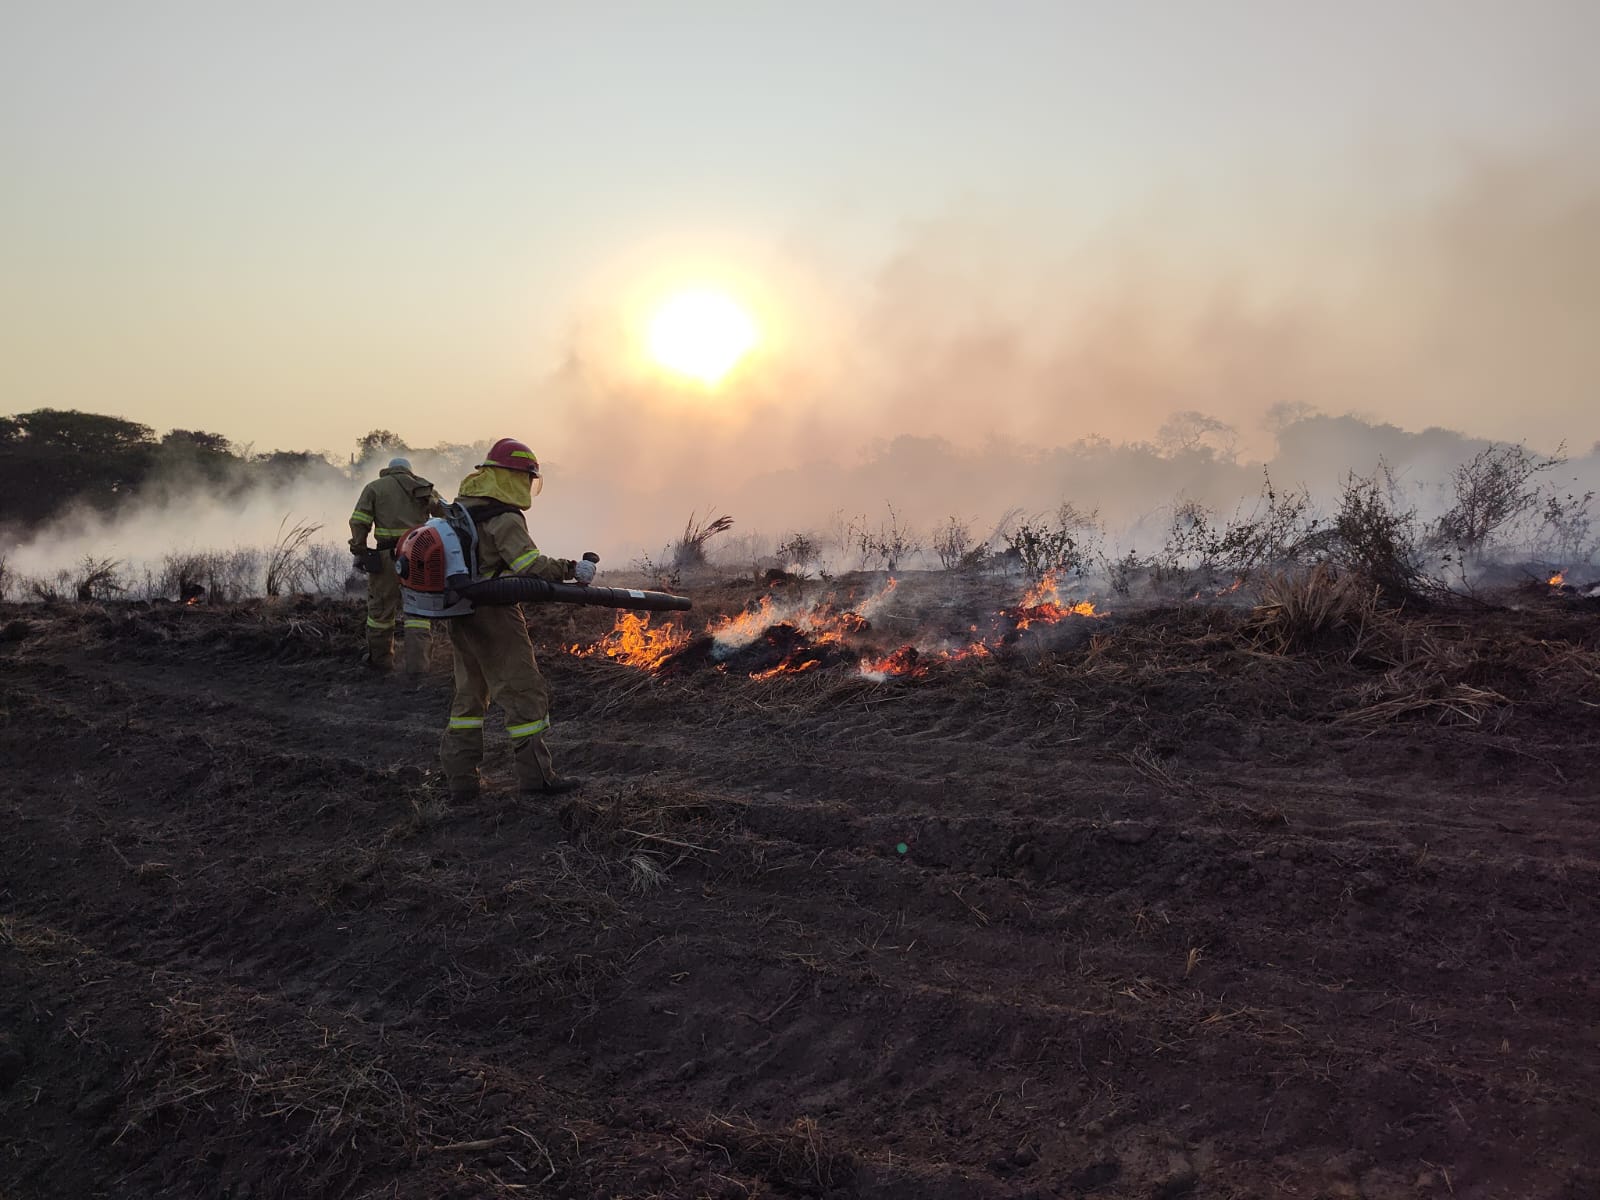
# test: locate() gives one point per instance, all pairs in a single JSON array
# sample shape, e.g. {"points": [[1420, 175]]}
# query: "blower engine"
{"points": [[438, 567]]}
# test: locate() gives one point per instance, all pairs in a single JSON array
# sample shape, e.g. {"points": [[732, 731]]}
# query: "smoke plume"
{"points": [[990, 366]]}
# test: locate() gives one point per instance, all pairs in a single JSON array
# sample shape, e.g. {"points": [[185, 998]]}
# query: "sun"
{"points": [[702, 334]]}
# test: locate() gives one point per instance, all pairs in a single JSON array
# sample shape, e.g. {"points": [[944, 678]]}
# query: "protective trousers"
{"points": [[383, 606], [494, 660], [383, 610]]}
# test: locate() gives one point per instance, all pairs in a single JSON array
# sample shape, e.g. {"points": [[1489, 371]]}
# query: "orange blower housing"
{"points": [[433, 566]]}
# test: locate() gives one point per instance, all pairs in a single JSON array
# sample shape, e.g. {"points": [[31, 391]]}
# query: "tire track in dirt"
{"points": [[796, 1009]]}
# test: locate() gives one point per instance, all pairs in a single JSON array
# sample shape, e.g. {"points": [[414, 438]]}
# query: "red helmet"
{"points": [[513, 456]]}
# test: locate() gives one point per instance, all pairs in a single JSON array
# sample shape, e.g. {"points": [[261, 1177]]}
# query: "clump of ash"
{"points": [[883, 635]]}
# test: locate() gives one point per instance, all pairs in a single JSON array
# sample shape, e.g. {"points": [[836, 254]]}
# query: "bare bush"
{"points": [[51, 589], [952, 542], [1492, 491], [1065, 545], [1377, 538], [749, 552], [1566, 529], [97, 579], [1279, 529], [231, 575], [1122, 572], [328, 568], [798, 552], [182, 576], [663, 570], [7, 580], [887, 544]]}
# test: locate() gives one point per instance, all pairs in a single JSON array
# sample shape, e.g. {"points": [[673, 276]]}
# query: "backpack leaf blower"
{"points": [[438, 567]]}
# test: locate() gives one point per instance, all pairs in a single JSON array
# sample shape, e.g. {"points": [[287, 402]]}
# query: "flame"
{"points": [[787, 667], [822, 623], [632, 642], [903, 663], [1042, 605], [807, 638], [1559, 579]]}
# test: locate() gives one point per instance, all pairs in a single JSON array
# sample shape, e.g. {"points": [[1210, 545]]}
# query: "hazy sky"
{"points": [[294, 222]]}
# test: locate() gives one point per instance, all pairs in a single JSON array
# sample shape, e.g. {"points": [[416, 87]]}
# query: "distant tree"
{"points": [[1285, 413], [1194, 432], [50, 458], [211, 443], [306, 465], [186, 453], [380, 443]]}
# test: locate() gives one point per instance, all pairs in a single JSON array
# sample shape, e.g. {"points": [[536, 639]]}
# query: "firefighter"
{"points": [[493, 653], [392, 503]]}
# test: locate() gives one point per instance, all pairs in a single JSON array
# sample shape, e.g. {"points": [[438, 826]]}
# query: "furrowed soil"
{"points": [[1173, 909]]}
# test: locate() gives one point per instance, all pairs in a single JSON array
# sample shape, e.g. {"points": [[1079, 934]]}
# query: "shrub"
{"points": [[1565, 530], [1064, 546], [798, 552], [97, 579], [1375, 538], [328, 568], [1278, 530], [1492, 491], [953, 544]]}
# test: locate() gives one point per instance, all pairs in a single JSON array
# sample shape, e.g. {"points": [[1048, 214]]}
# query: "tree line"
{"points": [[54, 459]]}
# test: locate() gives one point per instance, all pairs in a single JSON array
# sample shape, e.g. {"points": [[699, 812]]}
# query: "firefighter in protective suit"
{"points": [[493, 654], [391, 504]]}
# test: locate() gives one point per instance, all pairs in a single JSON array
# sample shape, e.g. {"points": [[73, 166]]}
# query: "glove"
{"points": [[359, 560], [583, 571]]}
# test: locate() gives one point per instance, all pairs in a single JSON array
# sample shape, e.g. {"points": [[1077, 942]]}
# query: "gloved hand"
{"points": [[583, 571], [359, 560]]}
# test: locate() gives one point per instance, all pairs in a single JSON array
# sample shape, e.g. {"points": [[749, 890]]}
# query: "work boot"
{"points": [[464, 793], [377, 666]]}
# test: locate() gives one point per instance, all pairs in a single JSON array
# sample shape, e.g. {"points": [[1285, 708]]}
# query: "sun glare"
{"points": [[701, 334]]}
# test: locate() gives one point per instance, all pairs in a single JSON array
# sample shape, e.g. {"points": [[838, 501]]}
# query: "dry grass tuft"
{"points": [[1307, 610], [37, 940], [1405, 694], [334, 1104], [798, 1156]]}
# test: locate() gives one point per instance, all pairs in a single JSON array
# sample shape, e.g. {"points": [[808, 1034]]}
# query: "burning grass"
{"points": [[780, 637]]}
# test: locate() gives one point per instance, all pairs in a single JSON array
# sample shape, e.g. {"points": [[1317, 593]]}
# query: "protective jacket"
{"points": [[392, 503], [505, 547], [493, 655]]}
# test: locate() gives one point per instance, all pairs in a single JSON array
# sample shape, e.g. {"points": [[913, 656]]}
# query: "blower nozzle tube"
{"points": [[519, 589]]}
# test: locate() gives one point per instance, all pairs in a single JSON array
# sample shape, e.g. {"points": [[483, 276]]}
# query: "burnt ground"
{"points": [[1178, 914]]}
